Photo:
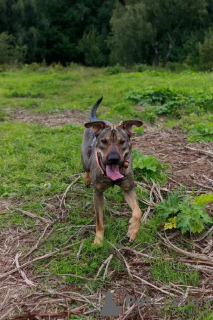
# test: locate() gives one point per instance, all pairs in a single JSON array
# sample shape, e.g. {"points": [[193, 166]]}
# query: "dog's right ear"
{"points": [[97, 126]]}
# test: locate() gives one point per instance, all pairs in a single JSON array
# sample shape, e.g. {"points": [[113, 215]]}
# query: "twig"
{"points": [[38, 243], [202, 185], [103, 265], [62, 204], [145, 215], [186, 253], [33, 215], [125, 262], [79, 251], [107, 266], [153, 286], [49, 315], [48, 255], [210, 154], [205, 235], [22, 273]]}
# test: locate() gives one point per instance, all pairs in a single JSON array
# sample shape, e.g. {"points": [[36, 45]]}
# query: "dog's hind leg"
{"points": [[87, 178], [98, 199], [134, 222]]}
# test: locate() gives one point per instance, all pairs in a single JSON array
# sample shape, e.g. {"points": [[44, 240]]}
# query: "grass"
{"points": [[37, 163]]}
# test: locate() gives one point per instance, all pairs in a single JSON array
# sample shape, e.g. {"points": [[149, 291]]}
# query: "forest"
{"points": [[102, 33]]}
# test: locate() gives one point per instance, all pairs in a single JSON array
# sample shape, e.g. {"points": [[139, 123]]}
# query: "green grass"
{"points": [[36, 159], [37, 163]]}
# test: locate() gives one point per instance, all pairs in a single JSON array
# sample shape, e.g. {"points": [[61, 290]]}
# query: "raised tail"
{"points": [[94, 109]]}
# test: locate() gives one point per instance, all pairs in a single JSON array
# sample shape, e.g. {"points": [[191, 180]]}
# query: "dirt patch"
{"points": [[188, 168], [50, 120], [6, 203]]}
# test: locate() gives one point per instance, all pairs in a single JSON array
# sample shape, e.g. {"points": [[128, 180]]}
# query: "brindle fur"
{"points": [[113, 145]]}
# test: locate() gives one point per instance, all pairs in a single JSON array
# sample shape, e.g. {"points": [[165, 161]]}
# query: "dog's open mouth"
{"points": [[112, 172]]}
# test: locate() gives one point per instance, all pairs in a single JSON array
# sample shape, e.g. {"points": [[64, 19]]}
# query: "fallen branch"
{"points": [[62, 204], [22, 273], [153, 286], [186, 253], [36, 246], [36, 316], [48, 255], [104, 264], [209, 153], [205, 235], [33, 215]]}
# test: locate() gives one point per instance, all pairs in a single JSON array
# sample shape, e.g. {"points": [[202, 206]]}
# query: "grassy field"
{"points": [[42, 111]]}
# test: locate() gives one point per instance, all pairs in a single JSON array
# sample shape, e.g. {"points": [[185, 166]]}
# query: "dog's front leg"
{"points": [[134, 222], [98, 199]]}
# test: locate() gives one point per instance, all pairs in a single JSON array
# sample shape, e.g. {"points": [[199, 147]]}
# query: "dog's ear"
{"points": [[97, 126], [127, 125]]}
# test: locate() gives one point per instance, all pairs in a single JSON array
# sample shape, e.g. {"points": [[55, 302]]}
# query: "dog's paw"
{"points": [[98, 241], [133, 229]]}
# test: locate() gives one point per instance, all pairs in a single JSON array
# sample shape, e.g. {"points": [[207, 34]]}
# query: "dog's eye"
{"points": [[122, 142], [104, 141]]}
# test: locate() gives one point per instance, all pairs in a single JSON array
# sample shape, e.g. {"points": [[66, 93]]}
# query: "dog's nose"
{"points": [[113, 158]]}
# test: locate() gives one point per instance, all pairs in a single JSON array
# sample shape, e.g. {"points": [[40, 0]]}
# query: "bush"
{"points": [[206, 51], [183, 213], [93, 47], [10, 51]]}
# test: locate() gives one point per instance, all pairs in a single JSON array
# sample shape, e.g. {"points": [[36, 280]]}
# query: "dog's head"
{"points": [[113, 144]]}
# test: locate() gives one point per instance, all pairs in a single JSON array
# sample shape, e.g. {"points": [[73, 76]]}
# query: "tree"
{"points": [[10, 51], [131, 34], [22, 20], [71, 21], [148, 30], [206, 51]]}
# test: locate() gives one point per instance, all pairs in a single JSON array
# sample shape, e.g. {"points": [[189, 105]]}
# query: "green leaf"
{"points": [[203, 199]]}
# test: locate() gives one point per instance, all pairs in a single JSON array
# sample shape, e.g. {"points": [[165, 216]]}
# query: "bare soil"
{"points": [[50, 120], [188, 168]]}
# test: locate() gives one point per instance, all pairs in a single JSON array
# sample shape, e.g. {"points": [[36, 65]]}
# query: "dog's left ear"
{"points": [[127, 125], [97, 126]]}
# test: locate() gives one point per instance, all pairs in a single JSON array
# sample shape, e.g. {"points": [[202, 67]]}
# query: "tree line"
{"points": [[108, 32]]}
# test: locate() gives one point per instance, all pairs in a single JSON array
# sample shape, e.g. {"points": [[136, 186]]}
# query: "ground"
{"points": [[48, 267]]}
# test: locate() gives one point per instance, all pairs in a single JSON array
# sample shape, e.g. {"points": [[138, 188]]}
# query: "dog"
{"points": [[106, 159]]}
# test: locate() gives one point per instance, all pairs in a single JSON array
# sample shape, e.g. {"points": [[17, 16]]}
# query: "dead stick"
{"points": [[65, 193], [210, 154], [33, 215], [48, 255], [186, 253]]}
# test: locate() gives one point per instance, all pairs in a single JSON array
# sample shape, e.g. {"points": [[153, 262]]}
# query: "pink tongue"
{"points": [[113, 172]]}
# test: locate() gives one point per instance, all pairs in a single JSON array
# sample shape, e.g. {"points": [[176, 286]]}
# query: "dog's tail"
{"points": [[94, 109], [93, 112]]}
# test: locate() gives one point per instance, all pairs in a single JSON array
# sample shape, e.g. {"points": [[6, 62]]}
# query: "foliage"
{"points": [[203, 199], [201, 132], [25, 21], [114, 70], [188, 216], [148, 166], [11, 52], [172, 102], [131, 34], [126, 32], [94, 49], [152, 31], [206, 51]]}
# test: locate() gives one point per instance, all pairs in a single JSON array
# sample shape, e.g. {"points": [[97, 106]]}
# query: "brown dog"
{"points": [[106, 159]]}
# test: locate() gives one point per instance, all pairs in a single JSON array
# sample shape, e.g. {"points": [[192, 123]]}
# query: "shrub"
{"points": [[11, 52], [183, 214]]}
